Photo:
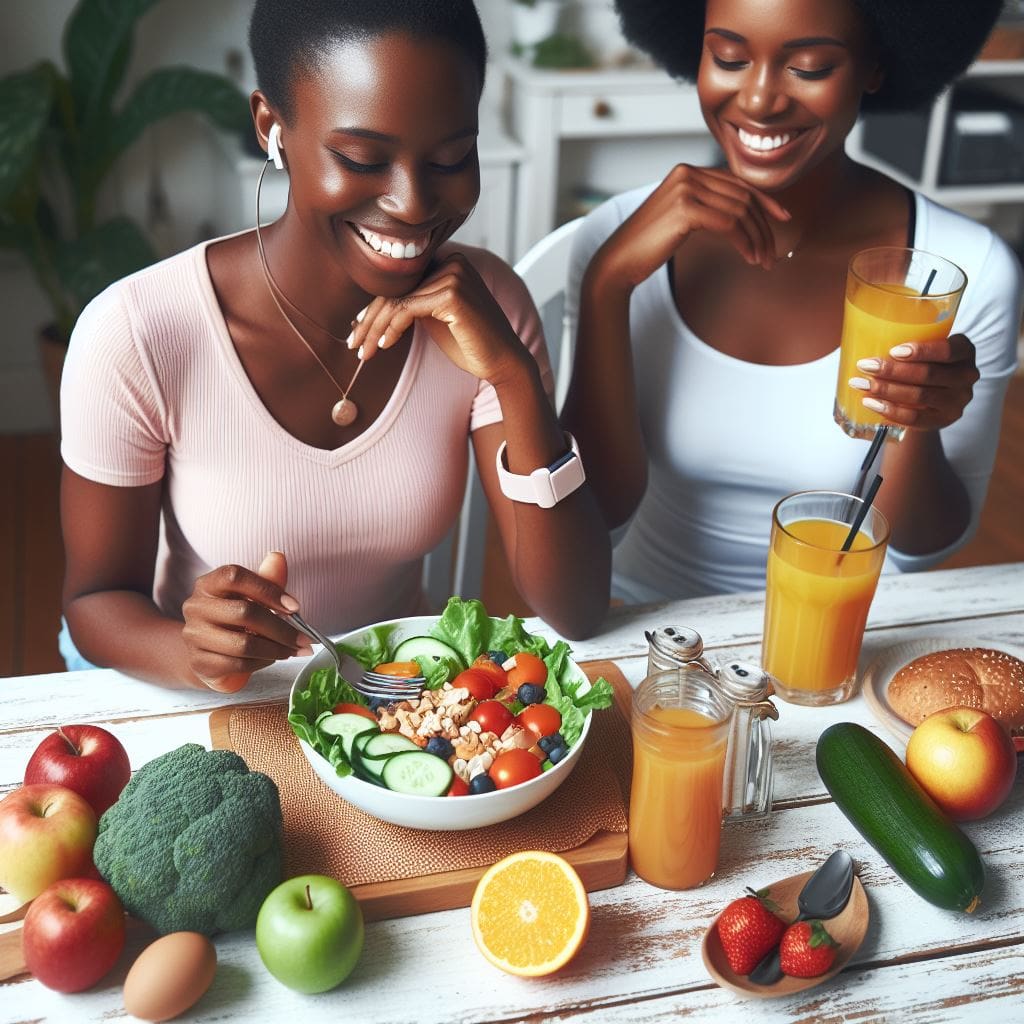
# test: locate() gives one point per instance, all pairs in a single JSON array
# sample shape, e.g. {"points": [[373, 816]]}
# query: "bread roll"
{"points": [[970, 677]]}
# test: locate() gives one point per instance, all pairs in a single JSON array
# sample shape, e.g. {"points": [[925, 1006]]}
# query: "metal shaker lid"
{"points": [[743, 682], [680, 643]]}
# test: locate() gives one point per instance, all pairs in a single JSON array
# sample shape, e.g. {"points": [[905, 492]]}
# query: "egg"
{"points": [[169, 976]]}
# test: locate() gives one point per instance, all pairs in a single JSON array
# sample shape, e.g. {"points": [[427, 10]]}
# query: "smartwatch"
{"points": [[546, 486]]}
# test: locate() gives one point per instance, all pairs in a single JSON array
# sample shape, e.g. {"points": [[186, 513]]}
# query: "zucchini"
{"points": [[884, 802]]}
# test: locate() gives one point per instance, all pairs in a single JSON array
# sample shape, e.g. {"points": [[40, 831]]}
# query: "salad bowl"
{"points": [[435, 813]]}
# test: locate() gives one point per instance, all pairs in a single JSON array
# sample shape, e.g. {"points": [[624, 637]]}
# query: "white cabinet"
{"points": [[631, 108], [914, 148], [489, 227]]}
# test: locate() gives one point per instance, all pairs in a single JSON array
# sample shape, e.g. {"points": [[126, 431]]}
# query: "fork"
{"points": [[371, 684]]}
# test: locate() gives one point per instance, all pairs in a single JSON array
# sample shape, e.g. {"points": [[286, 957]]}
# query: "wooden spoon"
{"points": [[848, 929]]}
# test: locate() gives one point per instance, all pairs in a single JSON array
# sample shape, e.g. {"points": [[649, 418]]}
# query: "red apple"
{"points": [[965, 760], [46, 833], [73, 934], [85, 758]]}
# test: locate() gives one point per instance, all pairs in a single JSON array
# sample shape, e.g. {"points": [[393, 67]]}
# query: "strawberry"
{"points": [[749, 930], [807, 950]]}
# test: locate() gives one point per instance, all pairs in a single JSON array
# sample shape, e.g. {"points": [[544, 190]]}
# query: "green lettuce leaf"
{"points": [[375, 648], [438, 671], [464, 626]]}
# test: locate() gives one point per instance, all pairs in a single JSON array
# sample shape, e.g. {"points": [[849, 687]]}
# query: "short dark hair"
{"points": [[924, 44], [288, 36]]}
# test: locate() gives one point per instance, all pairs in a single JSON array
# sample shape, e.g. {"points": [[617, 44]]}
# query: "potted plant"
{"points": [[61, 132]]}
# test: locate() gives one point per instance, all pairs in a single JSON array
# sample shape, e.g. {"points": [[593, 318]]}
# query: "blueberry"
{"points": [[498, 657], [376, 703], [555, 755], [482, 783], [548, 743], [441, 746], [530, 693]]}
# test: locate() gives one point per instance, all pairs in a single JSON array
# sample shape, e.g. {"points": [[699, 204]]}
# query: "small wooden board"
{"points": [[601, 861]]}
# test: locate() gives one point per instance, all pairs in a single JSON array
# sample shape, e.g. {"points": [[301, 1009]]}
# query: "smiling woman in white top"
{"points": [[708, 306]]}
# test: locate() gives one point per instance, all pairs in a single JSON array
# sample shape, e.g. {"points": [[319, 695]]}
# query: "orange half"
{"points": [[530, 913]]}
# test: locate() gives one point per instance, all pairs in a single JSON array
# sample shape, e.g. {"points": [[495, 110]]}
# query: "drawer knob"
{"points": [[602, 108]]}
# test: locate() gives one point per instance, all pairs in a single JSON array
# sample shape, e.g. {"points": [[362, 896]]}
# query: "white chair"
{"points": [[456, 565]]}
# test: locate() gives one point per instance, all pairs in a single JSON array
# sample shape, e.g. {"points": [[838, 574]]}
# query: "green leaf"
{"points": [[375, 647], [25, 102], [108, 252], [97, 41], [464, 626], [175, 90]]}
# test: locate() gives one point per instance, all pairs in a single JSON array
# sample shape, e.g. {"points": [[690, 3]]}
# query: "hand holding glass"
{"points": [[893, 295]]}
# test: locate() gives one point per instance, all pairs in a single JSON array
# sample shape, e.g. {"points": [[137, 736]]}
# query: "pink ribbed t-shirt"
{"points": [[153, 389]]}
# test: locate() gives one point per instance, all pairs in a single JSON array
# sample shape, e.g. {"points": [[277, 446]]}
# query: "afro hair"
{"points": [[924, 44], [289, 36]]}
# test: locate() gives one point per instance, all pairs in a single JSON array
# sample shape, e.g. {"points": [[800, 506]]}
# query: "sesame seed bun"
{"points": [[969, 677]]}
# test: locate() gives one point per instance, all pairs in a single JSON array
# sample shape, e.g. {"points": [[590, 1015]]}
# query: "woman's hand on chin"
{"points": [[691, 199], [462, 316]]}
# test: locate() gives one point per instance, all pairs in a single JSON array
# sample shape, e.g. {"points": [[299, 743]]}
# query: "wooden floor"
{"points": [[32, 561]]}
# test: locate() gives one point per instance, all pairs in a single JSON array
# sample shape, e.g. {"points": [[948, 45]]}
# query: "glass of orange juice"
{"points": [[893, 295], [817, 596], [683, 767]]}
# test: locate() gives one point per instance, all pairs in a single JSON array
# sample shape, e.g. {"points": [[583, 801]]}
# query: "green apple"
{"points": [[310, 933]]}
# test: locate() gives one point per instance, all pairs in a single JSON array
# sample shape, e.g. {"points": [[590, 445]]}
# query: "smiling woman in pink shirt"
{"points": [[313, 397]]}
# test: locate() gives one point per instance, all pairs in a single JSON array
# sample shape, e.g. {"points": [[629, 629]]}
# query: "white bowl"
{"points": [[434, 813]]}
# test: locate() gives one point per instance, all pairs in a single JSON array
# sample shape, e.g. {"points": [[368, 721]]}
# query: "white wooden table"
{"points": [[642, 959]]}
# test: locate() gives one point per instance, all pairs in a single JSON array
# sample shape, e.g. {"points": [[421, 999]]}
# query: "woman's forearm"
{"points": [[926, 504], [124, 630], [601, 406], [560, 557]]}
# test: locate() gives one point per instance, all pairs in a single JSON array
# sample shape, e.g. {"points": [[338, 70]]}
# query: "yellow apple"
{"points": [[965, 760]]}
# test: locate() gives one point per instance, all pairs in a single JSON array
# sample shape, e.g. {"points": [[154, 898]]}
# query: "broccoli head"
{"points": [[194, 842]]}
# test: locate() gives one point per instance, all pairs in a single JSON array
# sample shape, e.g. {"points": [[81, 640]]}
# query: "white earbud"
{"points": [[274, 146]]}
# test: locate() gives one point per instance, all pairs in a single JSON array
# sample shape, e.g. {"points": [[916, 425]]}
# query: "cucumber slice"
{"points": [[417, 773], [371, 772], [382, 746], [425, 647], [348, 727]]}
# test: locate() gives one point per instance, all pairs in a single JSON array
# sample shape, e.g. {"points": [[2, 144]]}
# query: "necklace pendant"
{"points": [[344, 412]]}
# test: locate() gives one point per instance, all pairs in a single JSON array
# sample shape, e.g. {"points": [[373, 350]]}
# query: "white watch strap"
{"points": [[546, 486]]}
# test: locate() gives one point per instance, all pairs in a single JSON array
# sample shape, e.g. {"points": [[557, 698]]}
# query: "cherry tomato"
{"points": [[355, 709], [528, 668], [458, 787], [479, 683], [492, 715], [485, 664], [404, 669], [514, 766], [540, 719]]}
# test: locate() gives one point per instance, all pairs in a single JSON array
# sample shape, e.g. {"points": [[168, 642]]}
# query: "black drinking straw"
{"points": [[862, 512], [869, 458], [928, 283]]}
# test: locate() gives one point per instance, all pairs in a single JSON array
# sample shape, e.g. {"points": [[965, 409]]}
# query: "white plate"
{"points": [[433, 812], [879, 673]]}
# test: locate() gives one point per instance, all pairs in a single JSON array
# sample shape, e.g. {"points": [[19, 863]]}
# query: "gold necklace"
{"points": [[345, 411]]}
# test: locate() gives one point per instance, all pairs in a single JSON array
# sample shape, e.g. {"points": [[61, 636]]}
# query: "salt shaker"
{"points": [[748, 782]]}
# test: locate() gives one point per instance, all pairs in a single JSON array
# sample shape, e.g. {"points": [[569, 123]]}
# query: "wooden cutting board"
{"points": [[601, 861]]}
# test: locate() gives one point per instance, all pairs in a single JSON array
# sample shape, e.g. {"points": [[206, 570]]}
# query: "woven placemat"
{"points": [[324, 834]]}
